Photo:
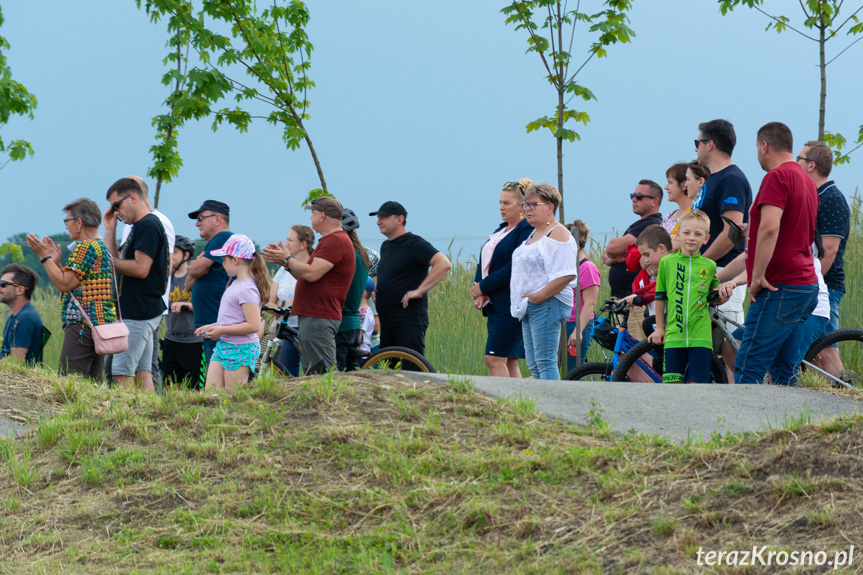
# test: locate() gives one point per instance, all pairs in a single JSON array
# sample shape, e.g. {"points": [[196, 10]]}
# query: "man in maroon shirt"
{"points": [[322, 284], [783, 288]]}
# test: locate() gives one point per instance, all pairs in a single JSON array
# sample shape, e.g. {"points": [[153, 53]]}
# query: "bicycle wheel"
{"points": [[593, 371], [844, 362], [628, 362], [395, 356]]}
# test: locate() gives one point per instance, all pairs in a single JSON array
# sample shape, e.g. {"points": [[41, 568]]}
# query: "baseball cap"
{"points": [[213, 206], [327, 205], [238, 246], [390, 209]]}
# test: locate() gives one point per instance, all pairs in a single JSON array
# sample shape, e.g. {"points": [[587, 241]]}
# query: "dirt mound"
{"points": [[370, 472]]}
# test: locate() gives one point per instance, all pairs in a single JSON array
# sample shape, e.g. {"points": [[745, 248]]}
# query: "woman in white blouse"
{"points": [[300, 243], [544, 269]]}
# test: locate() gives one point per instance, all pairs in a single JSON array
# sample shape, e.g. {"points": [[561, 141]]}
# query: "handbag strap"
{"points": [[117, 293]]}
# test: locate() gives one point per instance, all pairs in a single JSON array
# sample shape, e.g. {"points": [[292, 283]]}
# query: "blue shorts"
{"points": [[234, 356], [687, 364]]}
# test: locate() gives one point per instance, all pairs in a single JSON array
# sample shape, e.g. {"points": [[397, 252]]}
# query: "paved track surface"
{"points": [[8, 428], [678, 412]]}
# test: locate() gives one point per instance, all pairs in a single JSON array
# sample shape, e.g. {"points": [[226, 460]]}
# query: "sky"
{"points": [[421, 102]]}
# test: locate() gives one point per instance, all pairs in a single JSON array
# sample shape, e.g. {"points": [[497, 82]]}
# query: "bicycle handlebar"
{"points": [[285, 311]]}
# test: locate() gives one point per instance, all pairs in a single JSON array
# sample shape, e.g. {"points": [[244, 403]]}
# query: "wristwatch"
{"points": [[285, 262]]}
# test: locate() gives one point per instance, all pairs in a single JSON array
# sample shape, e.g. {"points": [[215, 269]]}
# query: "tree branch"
{"points": [[774, 18], [843, 51], [533, 36], [848, 19]]}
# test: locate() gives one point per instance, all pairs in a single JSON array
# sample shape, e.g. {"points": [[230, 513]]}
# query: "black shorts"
{"points": [[182, 363]]}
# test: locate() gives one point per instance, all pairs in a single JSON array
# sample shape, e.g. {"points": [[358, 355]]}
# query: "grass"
{"points": [[372, 473]]}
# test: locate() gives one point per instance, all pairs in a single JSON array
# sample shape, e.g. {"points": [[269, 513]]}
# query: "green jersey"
{"points": [[684, 282]]}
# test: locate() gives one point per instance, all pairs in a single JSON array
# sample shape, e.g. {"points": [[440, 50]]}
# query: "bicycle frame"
{"points": [[719, 320], [624, 340], [284, 333]]}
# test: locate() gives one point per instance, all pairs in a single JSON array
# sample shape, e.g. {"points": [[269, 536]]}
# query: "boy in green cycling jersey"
{"points": [[683, 282]]}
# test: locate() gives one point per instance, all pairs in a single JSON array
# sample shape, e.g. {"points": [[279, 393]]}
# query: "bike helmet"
{"points": [[374, 258], [605, 333], [350, 221], [185, 244]]}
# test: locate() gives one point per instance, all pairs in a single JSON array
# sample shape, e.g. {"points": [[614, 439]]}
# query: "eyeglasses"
{"points": [[116, 205], [532, 205], [4, 283], [640, 197], [202, 218], [67, 220], [513, 185], [697, 142], [804, 159]]}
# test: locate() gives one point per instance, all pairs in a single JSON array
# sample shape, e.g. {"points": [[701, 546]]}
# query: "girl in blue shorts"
{"points": [[239, 320]]}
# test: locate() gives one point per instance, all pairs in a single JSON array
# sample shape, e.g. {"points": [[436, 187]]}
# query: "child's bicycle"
{"points": [[388, 356], [630, 359]]}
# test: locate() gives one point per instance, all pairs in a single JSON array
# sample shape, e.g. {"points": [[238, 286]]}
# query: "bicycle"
{"points": [[284, 333], [830, 362], [389, 356], [612, 336]]}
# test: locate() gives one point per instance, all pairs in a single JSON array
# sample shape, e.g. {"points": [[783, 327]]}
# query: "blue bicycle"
{"points": [[630, 359], [614, 341]]}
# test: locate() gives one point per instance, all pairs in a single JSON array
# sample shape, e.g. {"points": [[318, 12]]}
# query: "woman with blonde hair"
{"points": [[587, 291], [490, 291], [544, 269]]}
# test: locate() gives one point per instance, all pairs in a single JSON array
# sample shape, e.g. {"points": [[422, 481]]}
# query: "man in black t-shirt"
{"points": [[404, 279], [142, 278], [726, 193], [645, 202]]}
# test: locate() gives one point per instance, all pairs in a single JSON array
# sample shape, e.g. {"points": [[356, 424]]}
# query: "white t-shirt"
{"points": [[367, 316], [169, 233], [287, 285]]}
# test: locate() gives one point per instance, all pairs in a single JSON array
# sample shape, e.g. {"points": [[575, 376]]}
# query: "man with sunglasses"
{"points": [[207, 278], [726, 193], [169, 234], [142, 278], [645, 203], [22, 335]]}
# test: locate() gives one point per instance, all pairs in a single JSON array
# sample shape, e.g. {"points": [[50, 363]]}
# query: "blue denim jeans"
{"points": [[835, 299], [586, 338], [774, 327], [540, 328]]}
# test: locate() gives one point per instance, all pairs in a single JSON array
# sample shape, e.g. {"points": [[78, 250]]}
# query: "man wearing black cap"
{"points": [[207, 278], [404, 279]]}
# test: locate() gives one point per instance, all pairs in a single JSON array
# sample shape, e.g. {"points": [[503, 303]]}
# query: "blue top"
{"points": [[727, 189], [24, 330], [496, 284], [207, 291], [834, 219]]}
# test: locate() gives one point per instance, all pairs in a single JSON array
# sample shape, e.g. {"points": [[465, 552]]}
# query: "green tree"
{"points": [[823, 18], [269, 44], [551, 28], [15, 100]]}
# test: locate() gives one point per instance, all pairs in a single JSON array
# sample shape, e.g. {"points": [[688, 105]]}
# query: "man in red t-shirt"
{"points": [[322, 284], [783, 288]]}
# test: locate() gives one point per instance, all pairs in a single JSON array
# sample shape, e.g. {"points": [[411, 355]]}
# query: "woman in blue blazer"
{"points": [[491, 286]]}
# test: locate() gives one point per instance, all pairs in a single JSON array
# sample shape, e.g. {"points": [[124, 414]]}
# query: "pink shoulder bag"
{"points": [[109, 338]]}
